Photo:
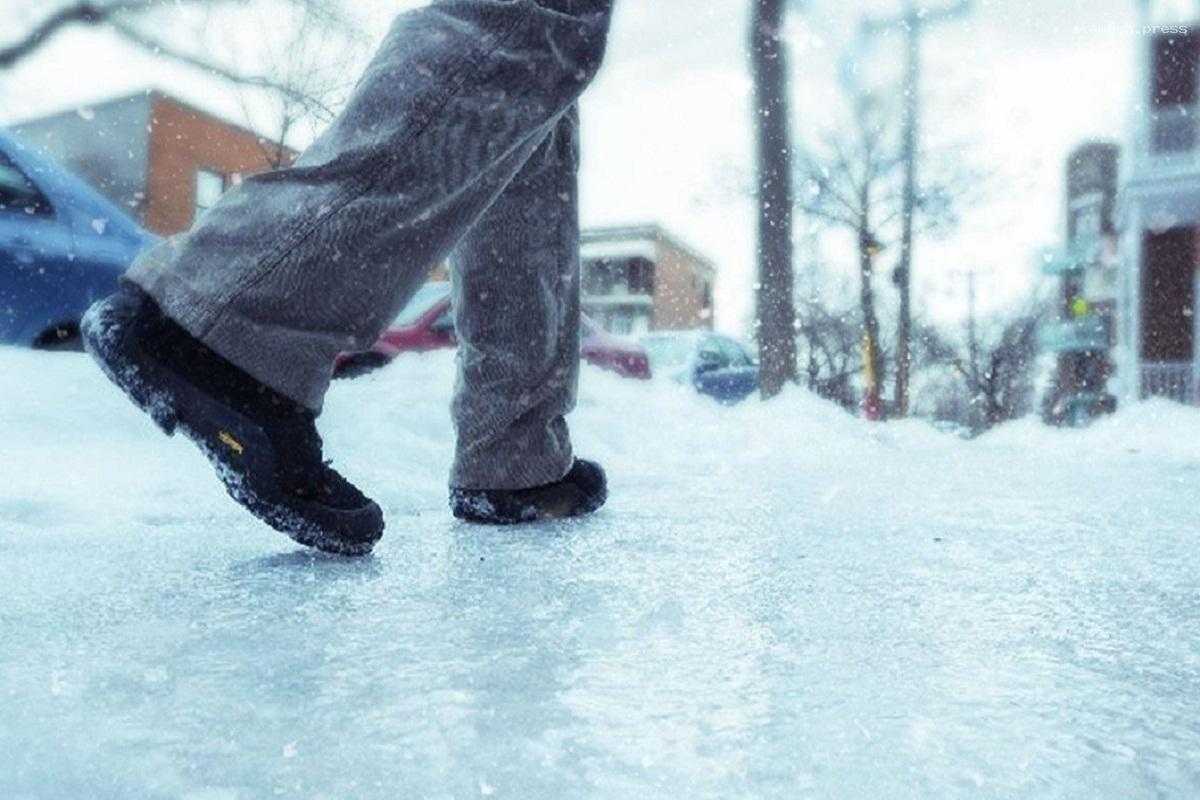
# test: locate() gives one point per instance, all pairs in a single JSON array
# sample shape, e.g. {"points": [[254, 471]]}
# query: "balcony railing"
{"points": [[618, 297], [1174, 380]]}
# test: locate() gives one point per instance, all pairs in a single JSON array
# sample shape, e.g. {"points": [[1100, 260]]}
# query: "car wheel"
{"points": [[360, 364], [63, 337]]}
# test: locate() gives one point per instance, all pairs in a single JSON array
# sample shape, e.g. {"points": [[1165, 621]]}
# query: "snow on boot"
{"points": [[583, 491], [265, 448]]}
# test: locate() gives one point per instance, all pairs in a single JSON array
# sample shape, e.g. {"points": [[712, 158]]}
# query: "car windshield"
{"points": [[18, 192], [426, 298], [668, 351], [15, 183]]}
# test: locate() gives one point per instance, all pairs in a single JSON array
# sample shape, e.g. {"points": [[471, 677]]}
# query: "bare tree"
{"points": [[853, 180], [930, 347], [850, 184], [140, 22], [995, 367], [66, 15], [830, 352], [315, 59], [776, 309], [1000, 375], [913, 21]]}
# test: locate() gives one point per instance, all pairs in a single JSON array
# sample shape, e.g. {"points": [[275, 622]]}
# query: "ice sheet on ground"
{"points": [[780, 601]]}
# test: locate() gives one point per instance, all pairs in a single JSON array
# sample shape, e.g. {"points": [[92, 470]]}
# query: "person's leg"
{"points": [[516, 303], [516, 300], [297, 265], [228, 333]]}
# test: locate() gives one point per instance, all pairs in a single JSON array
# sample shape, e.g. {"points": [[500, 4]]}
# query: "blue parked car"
{"points": [[715, 365], [62, 246]]}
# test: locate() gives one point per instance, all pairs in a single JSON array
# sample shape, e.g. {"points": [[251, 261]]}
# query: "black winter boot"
{"points": [[583, 491], [265, 448]]}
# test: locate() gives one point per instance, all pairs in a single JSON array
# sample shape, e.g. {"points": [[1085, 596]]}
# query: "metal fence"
{"points": [[1175, 380]]}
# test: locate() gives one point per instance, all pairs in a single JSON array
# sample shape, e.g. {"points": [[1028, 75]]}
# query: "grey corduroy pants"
{"points": [[460, 140]]}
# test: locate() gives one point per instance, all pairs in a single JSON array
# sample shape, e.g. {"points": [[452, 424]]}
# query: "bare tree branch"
{"points": [[82, 13], [160, 48]]}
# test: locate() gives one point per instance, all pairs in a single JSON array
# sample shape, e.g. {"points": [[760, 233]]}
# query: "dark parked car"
{"points": [[62, 246], [715, 365], [426, 324]]}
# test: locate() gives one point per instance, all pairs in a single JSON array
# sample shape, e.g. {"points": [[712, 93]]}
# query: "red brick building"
{"points": [[160, 158], [640, 278]]}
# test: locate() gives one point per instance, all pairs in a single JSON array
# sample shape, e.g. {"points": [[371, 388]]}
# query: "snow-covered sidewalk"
{"points": [[779, 601]]}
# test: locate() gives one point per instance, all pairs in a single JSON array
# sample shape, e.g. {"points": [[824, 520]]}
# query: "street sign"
{"points": [[1076, 257], [1075, 336]]}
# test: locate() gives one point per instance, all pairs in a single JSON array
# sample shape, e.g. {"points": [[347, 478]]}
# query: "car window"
{"points": [[735, 353], [18, 194], [444, 322], [712, 352], [666, 352], [426, 297]]}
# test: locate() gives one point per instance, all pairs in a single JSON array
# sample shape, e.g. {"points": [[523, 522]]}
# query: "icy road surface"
{"points": [[779, 602]]}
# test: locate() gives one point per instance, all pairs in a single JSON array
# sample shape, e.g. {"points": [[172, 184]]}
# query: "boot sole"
{"points": [[177, 407], [481, 511]]}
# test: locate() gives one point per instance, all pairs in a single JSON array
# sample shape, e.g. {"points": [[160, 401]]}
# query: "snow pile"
{"points": [[76, 448], [1157, 429], [396, 421]]}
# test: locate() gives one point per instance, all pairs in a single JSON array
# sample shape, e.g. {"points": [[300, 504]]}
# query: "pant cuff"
{"points": [[302, 375], [513, 470]]}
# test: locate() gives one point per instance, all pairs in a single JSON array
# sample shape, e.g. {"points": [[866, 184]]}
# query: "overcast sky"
{"points": [[667, 126]]}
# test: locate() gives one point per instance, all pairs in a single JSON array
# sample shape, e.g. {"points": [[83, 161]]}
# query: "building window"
{"points": [[209, 188], [641, 277], [598, 277], [1176, 57], [1174, 90], [1086, 224], [605, 277]]}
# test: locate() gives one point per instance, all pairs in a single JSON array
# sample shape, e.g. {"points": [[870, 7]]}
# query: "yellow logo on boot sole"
{"points": [[230, 442]]}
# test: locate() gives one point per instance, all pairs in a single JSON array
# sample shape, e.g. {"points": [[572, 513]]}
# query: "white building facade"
{"points": [[1157, 338]]}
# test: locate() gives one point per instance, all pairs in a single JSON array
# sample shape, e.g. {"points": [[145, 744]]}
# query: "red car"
{"points": [[427, 324]]}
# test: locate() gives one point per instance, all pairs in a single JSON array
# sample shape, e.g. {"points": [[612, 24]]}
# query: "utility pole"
{"points": [[776, 277], [972, 336], [913, 21], [973, 372]]}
